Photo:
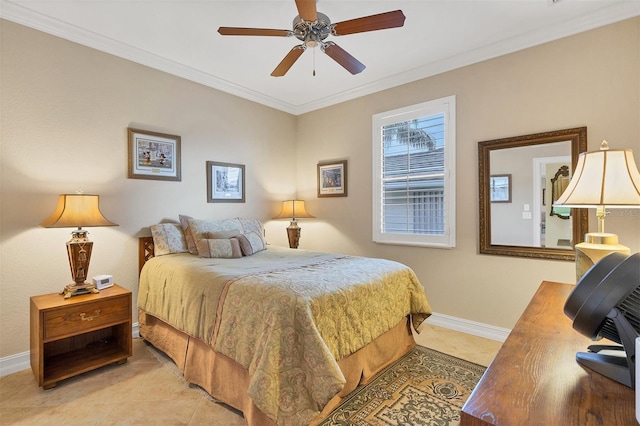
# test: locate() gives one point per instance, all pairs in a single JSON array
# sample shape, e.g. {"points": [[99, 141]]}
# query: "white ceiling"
{"points": [[180, 37]]}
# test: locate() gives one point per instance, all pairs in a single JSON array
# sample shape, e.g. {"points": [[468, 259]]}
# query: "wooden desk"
{"points": [[535, 379]]}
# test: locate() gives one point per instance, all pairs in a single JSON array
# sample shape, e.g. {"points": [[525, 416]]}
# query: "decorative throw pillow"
{"points": [[202, 229], [249, 225], [168, 238], [224, 248], [251, 243], [223, 234], [191, 242]]}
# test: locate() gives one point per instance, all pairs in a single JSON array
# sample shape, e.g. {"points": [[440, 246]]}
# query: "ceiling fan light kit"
{"points": [[312, 28]]}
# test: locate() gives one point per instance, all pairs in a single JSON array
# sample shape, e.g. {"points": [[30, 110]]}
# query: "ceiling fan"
{"points": [[312, 28]]}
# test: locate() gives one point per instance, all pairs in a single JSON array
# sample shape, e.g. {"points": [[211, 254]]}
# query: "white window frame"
{"points": [[447, 107]]}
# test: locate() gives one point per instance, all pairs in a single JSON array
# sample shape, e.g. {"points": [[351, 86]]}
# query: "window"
{"points": [[414, 175]]}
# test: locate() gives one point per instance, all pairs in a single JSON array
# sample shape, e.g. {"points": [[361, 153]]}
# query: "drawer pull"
{"points": [[95, 315]]}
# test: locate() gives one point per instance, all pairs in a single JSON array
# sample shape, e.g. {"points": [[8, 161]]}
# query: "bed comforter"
{"points": [[286, 315]]}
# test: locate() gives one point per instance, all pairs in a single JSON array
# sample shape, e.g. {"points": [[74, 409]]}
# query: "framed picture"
{"points": [[500, 188], [225, 182], [332, 179], [153, 155]]}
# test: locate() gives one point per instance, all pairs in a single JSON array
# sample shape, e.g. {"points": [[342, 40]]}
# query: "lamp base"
{"points": [[293, 232], [79, 252], [596, 245], [76, 289]]}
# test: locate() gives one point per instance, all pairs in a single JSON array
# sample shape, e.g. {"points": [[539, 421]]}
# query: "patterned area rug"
{"points": [[423, 388]]}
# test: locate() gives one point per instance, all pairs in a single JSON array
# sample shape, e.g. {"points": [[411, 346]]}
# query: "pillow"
{"points": [[168, 238], [249, 225], [223, 234], [225, 248], [202, 229], [251, 243], [191, 243]]}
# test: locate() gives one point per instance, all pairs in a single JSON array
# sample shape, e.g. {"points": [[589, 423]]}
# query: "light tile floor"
{"points": [[461, 345], [148, 390]]}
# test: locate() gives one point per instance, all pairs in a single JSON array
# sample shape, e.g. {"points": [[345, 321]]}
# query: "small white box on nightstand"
{"points": [[103, 281]]}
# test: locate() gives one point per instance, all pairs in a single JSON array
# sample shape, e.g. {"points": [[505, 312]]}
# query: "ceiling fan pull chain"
{"points": [[314, 62]]}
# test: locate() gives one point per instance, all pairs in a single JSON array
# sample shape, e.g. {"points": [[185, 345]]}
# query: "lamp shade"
{"points": [[293, 209], [602, 179], [77, 210], [607, 178]]}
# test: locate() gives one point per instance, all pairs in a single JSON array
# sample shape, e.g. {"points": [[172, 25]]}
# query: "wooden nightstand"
{"points": [[76, 335]]}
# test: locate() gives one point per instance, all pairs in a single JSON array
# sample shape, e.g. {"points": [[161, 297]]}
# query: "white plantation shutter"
{"points": [[414, 175]]}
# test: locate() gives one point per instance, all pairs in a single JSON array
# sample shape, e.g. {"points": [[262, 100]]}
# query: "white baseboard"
{"points": [[18, 362], [470, 327], [14, 363]]}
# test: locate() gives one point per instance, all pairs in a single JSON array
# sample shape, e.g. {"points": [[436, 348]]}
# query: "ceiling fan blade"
{"points": [[341, 56], [380, 21], [307, 10], [253, 32], [288, 61]]}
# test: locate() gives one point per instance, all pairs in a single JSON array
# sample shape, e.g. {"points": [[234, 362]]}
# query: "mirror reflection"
{"points": [[529, 219], [517, 216], [559, 183]]}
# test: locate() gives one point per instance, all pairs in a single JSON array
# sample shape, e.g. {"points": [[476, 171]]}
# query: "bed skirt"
{"points": [[227, 381]]}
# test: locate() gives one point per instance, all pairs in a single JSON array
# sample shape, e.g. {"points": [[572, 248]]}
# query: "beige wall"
{"points": [[65, 113], [591, 79], [65, 109]]}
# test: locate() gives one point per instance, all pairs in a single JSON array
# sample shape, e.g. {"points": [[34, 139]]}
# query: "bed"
{"points": [[282, 335]]}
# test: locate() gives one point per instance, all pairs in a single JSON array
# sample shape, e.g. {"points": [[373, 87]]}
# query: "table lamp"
{"points": [[294, 210], [603, 179], [78, 210]]}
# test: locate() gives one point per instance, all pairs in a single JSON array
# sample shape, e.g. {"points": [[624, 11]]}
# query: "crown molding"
{"points": [[40, 22], [611, 15], [21, 15]]}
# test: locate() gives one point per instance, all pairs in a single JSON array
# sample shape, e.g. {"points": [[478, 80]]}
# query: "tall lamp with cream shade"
{"points": [[76, 211], [603, 179], [293, 210]]}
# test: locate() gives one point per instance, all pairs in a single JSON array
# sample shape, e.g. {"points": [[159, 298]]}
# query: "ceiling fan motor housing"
{"points": [[312, 33]]}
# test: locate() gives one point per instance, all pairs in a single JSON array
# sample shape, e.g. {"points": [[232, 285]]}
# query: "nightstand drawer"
{"points": [[79, 317]]}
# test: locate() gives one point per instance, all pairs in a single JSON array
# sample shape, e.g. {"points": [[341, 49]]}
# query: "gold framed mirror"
{"points": [[528, 225]]}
